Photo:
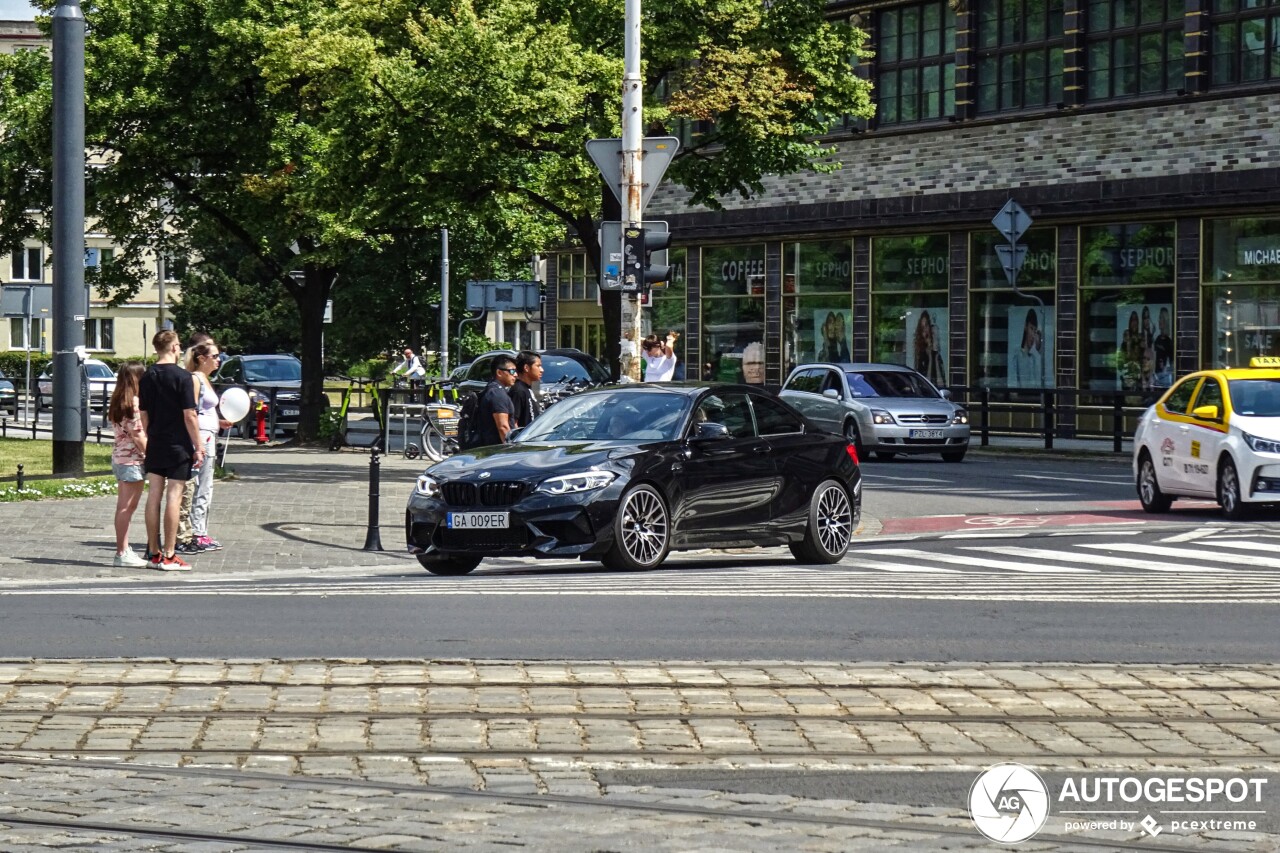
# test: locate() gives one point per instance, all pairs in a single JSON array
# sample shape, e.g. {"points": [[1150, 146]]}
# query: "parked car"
{"points": [[260, 375], [885, 408], [102, 381], [1214, 435], [559, 366], [8, 395], [628, 473]]}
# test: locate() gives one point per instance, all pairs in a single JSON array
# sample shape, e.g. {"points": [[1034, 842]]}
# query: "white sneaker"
{"points": [[129, 560]]}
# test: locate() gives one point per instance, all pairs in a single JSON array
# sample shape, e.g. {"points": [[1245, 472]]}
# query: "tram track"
{"points": [[959, 830]]}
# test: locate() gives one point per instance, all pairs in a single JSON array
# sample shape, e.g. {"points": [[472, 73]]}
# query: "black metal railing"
{"points": [[1049, 413]]}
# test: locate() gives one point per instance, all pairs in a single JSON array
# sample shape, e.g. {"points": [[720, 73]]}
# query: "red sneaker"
{"points": [[172, 563]]}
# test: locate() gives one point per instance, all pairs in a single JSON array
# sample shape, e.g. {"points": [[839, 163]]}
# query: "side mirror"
{"points": [[946, 395], [514, 434], [1205, 413], [708, 431], [831, 394]]}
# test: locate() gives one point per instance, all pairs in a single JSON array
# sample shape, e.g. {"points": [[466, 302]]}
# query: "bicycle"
{"points": [[438, 436]]}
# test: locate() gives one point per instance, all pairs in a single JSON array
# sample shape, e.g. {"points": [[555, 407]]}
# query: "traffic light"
{"points": [[644, 257]]}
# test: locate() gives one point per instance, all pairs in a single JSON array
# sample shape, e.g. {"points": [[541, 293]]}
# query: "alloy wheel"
{"points": [[1229, 490], [1147, 482], [835, 520], [644, 527]]}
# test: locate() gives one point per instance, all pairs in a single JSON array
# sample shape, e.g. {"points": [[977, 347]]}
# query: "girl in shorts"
{"points": [[127, 455]]}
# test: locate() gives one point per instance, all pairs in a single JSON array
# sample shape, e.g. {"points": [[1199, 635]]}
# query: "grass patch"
{"points": [[36, 456], [36, 490]]}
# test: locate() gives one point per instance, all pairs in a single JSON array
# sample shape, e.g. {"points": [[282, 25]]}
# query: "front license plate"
{"points": [[289, 413], [926, 433], [477, 520]]}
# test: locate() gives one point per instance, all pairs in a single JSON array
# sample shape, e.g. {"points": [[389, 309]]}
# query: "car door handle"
{"points": [[761, 449], [1185, 428]]}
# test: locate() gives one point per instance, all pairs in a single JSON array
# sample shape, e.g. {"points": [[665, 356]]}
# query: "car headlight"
{"points": [[960, 417], [880, 416], [427, 486], [1261, 445], [569, 483]]}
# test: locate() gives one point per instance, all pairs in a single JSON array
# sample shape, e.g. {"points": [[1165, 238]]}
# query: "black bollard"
{"points": [[372, 541], [22, 478]]}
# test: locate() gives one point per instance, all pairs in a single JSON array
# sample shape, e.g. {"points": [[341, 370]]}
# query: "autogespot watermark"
{"points": [[1010, 803]]}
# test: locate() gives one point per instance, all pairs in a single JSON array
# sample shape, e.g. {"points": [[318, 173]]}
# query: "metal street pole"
{"points": [[444, 302], [632, 141], [68, 234]]}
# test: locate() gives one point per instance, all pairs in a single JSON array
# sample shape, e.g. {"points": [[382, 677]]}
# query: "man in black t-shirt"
{"points": [[528, 372], [494, 413], [167, 398]]}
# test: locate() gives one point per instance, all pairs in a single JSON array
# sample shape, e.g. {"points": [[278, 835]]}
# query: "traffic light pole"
{"points": [[632, 142]]}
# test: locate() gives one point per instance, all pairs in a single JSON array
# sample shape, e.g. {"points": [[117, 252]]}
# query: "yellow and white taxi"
{"points": [[1214, 434]]}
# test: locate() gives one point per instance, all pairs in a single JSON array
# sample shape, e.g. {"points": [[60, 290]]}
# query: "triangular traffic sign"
{"points": [[656, 156]]}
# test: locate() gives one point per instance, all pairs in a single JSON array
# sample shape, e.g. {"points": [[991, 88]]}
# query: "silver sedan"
{"points": [[885, 408]]}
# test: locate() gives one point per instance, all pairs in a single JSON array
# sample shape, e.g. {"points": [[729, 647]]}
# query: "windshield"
{"points": [[273, 370], [99, 371], [630, 416], [1256, 398], [560, 368], [890, 384]]}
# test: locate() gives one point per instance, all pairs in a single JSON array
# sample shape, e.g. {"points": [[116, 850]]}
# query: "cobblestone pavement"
{"points": [[208, 755]]}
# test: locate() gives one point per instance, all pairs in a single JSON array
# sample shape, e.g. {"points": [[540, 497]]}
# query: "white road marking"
{"points": [[1187, 554], [1118, 562], [976, 562], [1192, 535], [1094, 480]]}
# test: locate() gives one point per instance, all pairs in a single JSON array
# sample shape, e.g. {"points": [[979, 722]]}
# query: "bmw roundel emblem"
{"points": [[484, 475]]}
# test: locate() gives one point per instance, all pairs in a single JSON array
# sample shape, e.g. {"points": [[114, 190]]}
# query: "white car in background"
{"points": [[102, 382]]}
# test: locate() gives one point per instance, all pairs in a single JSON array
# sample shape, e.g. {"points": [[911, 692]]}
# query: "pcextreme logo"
{"points": [[1009, 803]]}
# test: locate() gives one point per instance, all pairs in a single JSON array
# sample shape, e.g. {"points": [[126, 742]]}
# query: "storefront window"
{"points": [[910, 324], [1012, 336], [669, 310], [1241, 279], [1126, 307], [733, 314], [817, 288]]}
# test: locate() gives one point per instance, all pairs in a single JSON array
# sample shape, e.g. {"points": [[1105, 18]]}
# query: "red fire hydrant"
{"points": [[261, 437]]}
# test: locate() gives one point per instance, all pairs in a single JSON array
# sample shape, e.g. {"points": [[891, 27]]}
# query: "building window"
{"points": [[1135, 48], [99, 333], [909, 320], [586, 335], [669, 308], [915, 63], [573, 285], [1241, 287], [173, 269], [22, 336], [1012, 335], [28, 264], [1246, 41], [1019, 54], [732, 311], [1126, 307], [94, 258], [817, 301]]}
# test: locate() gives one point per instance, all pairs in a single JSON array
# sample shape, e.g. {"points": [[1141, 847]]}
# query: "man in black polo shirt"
{"points": [[167, 397], [494, 413], [528, 373]]}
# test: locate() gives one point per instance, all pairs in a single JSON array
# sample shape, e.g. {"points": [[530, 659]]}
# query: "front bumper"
{"points": [[539, 526], [1262, 483], [901, 438]]}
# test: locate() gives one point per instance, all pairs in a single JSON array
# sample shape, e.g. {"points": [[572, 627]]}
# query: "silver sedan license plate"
{"points": [[289, 413], [926, 433], [477, 520]]}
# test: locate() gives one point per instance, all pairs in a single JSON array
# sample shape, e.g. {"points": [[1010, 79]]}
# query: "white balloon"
{"points": [[234, 404]]}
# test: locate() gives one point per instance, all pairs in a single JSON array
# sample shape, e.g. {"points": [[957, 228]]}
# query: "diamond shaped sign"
{"points": [[1012, 221]]}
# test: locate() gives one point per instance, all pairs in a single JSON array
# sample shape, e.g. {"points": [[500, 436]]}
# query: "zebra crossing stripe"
{"points": [[975, 562], [1186, 553], [1117, 562]]}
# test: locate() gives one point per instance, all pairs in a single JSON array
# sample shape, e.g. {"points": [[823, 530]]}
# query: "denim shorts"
{"points": [[127, 473]]}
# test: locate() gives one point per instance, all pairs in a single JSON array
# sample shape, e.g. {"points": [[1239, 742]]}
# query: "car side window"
{"points": [[831, 382], [1210, 395], [731, 410], [773, 418], [481, 369], [808, 380], [1179, 398]]}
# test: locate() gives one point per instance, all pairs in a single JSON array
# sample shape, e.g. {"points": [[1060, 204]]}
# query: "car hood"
{"points": [[910, 405], [1268, 428], [529, 461], [277, 384]]}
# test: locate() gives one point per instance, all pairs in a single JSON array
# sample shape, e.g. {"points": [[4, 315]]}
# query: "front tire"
{"points": [[1153, 499], [438, 565], [854, 437], [829, 529], [641, 532], [885, 455], [954, 455], [1233, 506]]}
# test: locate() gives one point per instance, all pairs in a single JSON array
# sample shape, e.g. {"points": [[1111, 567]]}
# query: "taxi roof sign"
{"points": [[1264, 361]]}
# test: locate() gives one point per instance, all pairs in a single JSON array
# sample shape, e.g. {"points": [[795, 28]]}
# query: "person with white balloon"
{"points": [[202, 361]]}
